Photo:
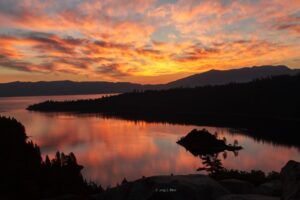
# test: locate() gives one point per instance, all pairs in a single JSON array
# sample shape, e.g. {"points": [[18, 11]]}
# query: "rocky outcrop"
{"points": [[290, 178], [68, 197], [247, 197], [271, 188], [202, 187], [236, 186], [190, 187]]}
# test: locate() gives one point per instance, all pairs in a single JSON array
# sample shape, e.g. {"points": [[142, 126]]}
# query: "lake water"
{"points": [[111, 149]]}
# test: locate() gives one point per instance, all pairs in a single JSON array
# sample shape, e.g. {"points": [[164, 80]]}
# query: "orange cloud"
{"points": [[137, 40]]}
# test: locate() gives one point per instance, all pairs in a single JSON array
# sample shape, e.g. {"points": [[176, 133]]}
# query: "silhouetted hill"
{"points": [[213, 77], [263, 106], [277, 96], [218, 77], [65, 88]]}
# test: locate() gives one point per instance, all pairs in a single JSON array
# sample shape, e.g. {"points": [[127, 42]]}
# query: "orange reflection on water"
{"points": [[111, 149]]}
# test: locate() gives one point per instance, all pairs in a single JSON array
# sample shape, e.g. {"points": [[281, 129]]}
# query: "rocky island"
{"points": [[201, 142]]}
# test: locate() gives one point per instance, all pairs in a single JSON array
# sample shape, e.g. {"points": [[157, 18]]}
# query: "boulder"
{"points": [[290, 177], [179, 187], [247, 197], [66, 197], [236, 186], [271, 188]]}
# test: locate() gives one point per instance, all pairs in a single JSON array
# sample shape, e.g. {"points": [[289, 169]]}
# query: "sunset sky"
{"points": [[144, 41]]}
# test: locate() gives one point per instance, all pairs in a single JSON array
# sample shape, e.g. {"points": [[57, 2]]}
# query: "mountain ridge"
{"points": [[211, 77], [219, 77]]}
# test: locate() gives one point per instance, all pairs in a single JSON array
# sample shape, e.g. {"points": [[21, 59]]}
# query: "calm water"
{"points": [[111, 149]]}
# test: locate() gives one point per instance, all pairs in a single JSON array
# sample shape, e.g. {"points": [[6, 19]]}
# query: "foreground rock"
{"points": [[290, 177], [67, 197], [236, 186], [272, 188], [202, 187], [247, 197], [190, 187]]}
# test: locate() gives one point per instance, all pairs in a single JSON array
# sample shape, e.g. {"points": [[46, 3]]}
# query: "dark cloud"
{"points": [[48, 48], [195, 52], [113, 70], [295, 28], [289, 23], [75, 55], [232, 43], [147, 51], [20, 65], [48, 42], [35, 34], [105, 44], [9, 7], [80, 63]]}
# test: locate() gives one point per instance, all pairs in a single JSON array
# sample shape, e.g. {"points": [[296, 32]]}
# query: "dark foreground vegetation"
{"points": [[255, 177], [268, 108], [223, 185], [25, 175]]}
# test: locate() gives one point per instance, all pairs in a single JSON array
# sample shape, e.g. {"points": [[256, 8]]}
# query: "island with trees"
{"points": [[267, 109]]}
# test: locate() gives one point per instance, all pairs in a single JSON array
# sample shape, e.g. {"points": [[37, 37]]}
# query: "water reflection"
{"points": [[111, 148]]}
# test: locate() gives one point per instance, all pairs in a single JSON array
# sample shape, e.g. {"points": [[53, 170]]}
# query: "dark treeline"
{"points": [[25, 175], [257, 105]]}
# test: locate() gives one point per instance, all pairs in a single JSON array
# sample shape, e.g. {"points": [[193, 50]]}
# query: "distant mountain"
{"points": [[212, 77], [218, 77], [65, 88]]}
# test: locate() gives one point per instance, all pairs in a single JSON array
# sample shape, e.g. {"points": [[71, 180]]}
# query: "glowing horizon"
{"points": [[153, 41]]}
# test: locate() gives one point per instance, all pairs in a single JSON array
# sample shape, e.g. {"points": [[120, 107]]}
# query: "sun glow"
{"points": [[143, 41]]}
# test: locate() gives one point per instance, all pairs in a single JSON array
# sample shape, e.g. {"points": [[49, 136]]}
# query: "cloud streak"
{"points": [[133, 40]]}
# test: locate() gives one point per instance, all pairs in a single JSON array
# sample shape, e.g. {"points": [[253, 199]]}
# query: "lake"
{"points": [[111, 148]]}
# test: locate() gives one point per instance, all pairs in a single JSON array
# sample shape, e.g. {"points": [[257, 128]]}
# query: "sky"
{"points": [[143, 41]]}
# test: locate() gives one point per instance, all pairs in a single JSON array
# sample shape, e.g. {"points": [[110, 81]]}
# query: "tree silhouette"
{"points": [[26, 175], [212, 163]]}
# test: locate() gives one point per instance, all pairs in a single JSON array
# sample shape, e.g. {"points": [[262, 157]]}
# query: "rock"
{"points": [[290, 177], [272, 188], [66, 197], [236, 186], [179, 187], [247, 197]]}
